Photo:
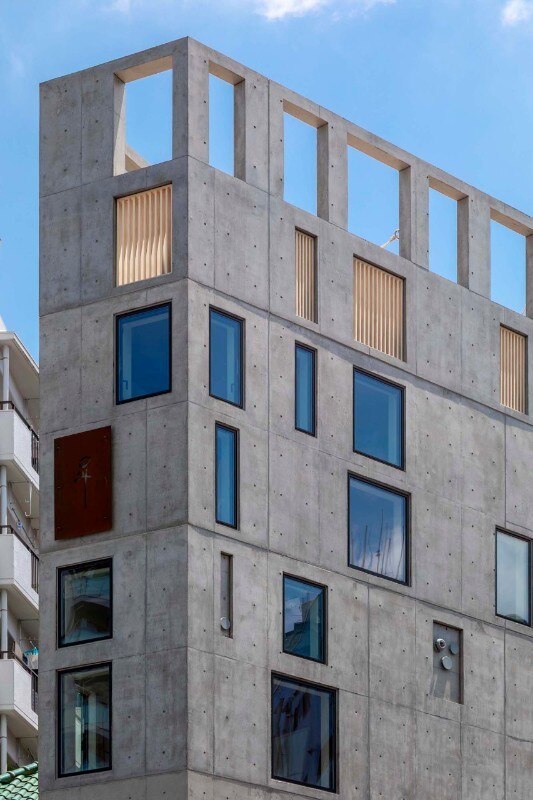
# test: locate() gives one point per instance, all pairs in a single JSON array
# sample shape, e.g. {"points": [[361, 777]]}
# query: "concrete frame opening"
{"points": [[300, 156], [373, 199], [443, 233], [221, 124], [507, 265]]}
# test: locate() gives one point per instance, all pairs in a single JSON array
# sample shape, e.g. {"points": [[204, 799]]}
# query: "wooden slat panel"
{"points": [[144, 235], [306, 294], [378, 300], [513, 369]]}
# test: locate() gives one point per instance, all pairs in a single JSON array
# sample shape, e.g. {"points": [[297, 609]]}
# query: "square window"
{"points": [[304, 619], [305, 389], [226, 475], [84, 603], [84, 720], [304, 728], [513, 570], [378, 525], [143, 353], [378, 419], [225, 357]]}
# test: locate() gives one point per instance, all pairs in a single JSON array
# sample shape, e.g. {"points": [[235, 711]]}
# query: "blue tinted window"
{"points": [[303, 619], [225, 358], [378, 419], [378, 530], [143, 353], [305, 389], [303, 733], [85, 603], [226, 475], [512, 578]]}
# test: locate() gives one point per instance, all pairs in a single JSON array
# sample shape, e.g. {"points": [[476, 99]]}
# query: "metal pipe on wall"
{"points": [[3, 744], [5, 374]]}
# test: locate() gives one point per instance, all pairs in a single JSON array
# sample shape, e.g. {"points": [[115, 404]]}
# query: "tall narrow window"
{"points": [[304, 619], [303, 733], [513, 570], [377, 418], [226, 373], [84, 720], [513, 370], [378, 522], [226, 594], [84, 603], [143, 353], [378, 300], [305, 389], [306, 282], [226, 475], [144, 235]]}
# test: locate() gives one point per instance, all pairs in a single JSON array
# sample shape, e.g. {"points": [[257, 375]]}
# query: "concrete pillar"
{"points": [[190, 102], [5, 374], [3, 744], [473, 244], [251, 132], [414, 216], [332, 175]]}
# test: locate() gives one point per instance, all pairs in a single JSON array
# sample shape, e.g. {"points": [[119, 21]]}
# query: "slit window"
{"points": [[221, 124], [373, 199], [85, 720], [306, 276], [226, 346], [305, 389], [300, 163], [513, 370], [226, 475], [304, 619], [378, 418], [508, 267], [226, 594], [513, 577], [143, 353], [443, 235], [143, 235], [378, 529], [378, 299], [85, 613]]}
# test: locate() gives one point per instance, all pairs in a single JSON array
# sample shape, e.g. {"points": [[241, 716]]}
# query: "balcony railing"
{"points": [[8, 405], [9, 530], [11, 655]]}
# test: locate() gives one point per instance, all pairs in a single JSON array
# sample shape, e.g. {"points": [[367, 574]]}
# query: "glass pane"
{"points": [[226, 478], [512, 588], [377, 530], [303, 733], [303, 619], [85, 713], [225, 358], [85, 603], [144, 353], [305, 389], [378, 419]]}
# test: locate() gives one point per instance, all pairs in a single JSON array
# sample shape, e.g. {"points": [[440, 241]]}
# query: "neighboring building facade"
{"points": [[287, 515], [19, 547]]}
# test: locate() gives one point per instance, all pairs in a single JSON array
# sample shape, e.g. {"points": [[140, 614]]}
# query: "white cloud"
{"points": [[515, 11], [270, 9]]}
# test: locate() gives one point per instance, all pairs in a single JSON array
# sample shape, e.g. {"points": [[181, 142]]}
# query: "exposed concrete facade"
{"points": [[191, 714]]}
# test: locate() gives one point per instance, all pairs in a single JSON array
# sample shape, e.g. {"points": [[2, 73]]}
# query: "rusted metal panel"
{"points": [[306, 293], [144, 235], [513, 369], [83, 483], [378, 301]]}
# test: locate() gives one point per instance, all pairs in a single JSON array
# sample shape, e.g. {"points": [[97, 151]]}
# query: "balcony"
{"points": [[19, 452], [18, 697], [19, 574]]}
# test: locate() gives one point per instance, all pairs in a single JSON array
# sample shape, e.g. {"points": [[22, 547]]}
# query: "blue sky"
{"points": [[449, 80]]}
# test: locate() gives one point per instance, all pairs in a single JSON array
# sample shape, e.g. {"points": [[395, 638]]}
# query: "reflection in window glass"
{"points": [[225, 358], [303, 733], [378, 530], [303, 619], [85, 603], [85, 719], [378, 419], [143, 353], [226, 475], [512, 578], [305, 389]]}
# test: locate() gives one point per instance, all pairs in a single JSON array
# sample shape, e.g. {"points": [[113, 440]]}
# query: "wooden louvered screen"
{"points": [[144, 235], [378, 299], [513, 369], [306, 276]]}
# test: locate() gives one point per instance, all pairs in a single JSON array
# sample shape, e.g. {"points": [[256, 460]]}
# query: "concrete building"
{"points": [[287, 513], [19, 560]]}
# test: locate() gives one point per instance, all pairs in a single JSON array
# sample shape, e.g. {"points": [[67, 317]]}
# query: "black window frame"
{"points": [[529, 543], [314, 353], [242, 340], [408, 515], [59, 706], [131, 313], [237, 476], [59, 604], [333, 692], [369, 374], [324, 589]]}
